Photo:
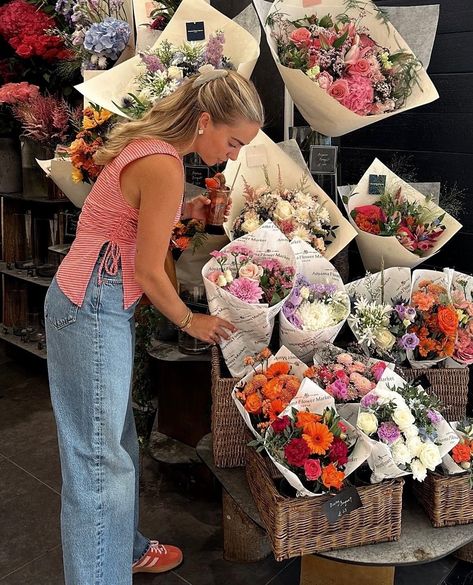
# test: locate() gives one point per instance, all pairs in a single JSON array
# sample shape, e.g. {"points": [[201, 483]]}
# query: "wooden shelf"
{"points": [[21, 197], [30, 346], [21, 275]]}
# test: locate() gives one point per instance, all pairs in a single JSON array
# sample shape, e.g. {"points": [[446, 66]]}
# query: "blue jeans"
{"points": [[90, 364]]}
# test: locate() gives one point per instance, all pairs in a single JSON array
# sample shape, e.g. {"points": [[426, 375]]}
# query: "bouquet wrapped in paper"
{"points": [[343, 66], [396, 225], [460, 458], [246, 283], [462, 299], [267, 184], [312, 446], [381, 314], [317, 307], [60, 170], [269, 386], [241, 49], [436, 322], [344, 375], [407, 433]]}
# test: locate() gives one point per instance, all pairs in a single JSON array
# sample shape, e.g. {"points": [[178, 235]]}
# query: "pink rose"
{"points": [[300, 36], [361, 67], [251, 271], [325, 80], [213, 276], [464, 348], [377, 370], [359, 96], [339, 89], [312, 469]]}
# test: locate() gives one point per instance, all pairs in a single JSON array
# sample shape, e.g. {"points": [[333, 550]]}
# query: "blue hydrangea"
{"points": [[107, 38]]}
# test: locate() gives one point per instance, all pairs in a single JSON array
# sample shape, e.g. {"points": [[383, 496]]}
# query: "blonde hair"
{"points": [[175, 118]]}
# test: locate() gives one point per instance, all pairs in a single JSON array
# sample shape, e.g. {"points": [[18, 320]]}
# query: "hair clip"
{"points": [[208, 73]]}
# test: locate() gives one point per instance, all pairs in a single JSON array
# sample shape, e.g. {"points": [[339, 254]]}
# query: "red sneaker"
{"points": [[158, 559]]}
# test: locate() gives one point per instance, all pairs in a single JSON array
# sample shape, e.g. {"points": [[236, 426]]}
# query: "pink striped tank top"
{"points": [[107, 218]]}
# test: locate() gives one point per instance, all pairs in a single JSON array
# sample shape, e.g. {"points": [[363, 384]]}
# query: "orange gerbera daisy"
{"points": [[331, 477], [318, 438], [306, 418], [277, 369], [273, 409]]}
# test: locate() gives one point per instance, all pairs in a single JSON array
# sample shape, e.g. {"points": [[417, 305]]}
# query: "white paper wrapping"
{"points": [[240, 47], [283, 355], [291, 174], [316, 269], [448, 463], [467, 289], [254, 321], [312, 398], [59, 170], [374, 249], [145, 36], [322, 112]]}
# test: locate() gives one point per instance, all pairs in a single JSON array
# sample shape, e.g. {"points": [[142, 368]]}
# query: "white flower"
{"points": [[305, 292], [384, 339], [251, 271], [386, 396], [411, 432], [284, 210], [228, 276], [302, 214], [323, 214], [403, 417], [251, 223], [414, 444], [429, 455], [419, 472], [305, 200], [367, 422], [175, 72], [400, 453], [315, 316], [221, 280], [302, 233], [465, 465]]}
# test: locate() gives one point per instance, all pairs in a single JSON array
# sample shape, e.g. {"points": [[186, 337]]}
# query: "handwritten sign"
{"points": [[196, 174], [343, 503], [323, 159], [195, 31]]}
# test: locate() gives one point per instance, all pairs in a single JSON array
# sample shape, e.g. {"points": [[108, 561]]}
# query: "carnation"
{"points": [[281, 424], [388, 432], [296, 452]]}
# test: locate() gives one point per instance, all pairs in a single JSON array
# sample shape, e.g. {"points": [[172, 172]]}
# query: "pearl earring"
{"points": [[201, 131]]}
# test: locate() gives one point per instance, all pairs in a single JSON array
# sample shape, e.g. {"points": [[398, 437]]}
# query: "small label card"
{"points": [[323, 159], [343, 503], [256, 156], [195, 31], [376, 184]]}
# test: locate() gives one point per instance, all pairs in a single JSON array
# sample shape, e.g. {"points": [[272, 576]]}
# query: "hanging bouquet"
{"points": [[462, 299], [100, 31], [436, 321], [381, 314], [397, 225], [25, 28], [268, 388], [164, 68], [345, 66], [246, 283], [185, 234], [345, 376], [297, 212]]}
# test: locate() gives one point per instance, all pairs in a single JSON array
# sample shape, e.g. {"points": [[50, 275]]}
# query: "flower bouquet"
{"points": [[241, 49], [268, 388], [317, 307], [436, 322], [396, 225], [381, 314], [462, 298], [343, 66], [305, 211], [246, 283], [345, 376]]}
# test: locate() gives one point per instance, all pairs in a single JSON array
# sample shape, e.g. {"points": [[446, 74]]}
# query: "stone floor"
{"points": [[178, 507]]}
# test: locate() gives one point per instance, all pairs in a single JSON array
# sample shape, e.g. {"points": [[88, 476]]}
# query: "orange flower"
{"points": [[423, 301], [277, 369], [273, 388], [306, 418], [448, 320], [310, 372], [264, 354], [461, 452], [253, 404], [331, 477], [273, 408], [318, 437], [436, 289]]}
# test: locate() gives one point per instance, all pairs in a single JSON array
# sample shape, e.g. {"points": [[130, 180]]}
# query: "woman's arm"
{"points": [[159, 180]]}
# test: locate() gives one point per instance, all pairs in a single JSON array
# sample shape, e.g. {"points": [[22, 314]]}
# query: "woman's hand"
{"points": [[210, 329], [196, 208]]}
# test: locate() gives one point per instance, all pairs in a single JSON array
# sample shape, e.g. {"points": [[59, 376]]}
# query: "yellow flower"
{"points": [[93, 118], [77, 175]]}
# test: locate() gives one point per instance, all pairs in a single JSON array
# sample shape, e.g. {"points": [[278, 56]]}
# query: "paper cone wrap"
{"points": [[272, 156], [254, 322], [464, 283], [59, 170], [240, 47], [324, 113], [448, 463], [374, 249], [317, 270]]}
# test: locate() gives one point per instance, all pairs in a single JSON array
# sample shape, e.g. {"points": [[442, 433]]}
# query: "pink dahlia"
{"points": [[246, 290]]}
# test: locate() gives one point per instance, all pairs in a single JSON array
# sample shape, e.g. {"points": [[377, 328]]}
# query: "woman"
{"points": [[119, 253]]}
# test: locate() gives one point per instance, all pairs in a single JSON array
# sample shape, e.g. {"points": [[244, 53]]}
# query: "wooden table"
{"points": [[364, 565]]}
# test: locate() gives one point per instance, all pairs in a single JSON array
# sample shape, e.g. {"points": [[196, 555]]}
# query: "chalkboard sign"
{"points": [[196, 174], [195, 31], [344, 502], [71, 224], [376, 184], [323, 159]]}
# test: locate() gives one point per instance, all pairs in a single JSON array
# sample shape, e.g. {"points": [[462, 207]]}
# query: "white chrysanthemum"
{"points": [[304, 199], [302, 214], [401, 453], [414, 444], [315, 316], [302, 233], [419, 471]]}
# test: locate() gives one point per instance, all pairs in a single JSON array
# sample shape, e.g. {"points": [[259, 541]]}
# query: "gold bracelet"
{"points": [[186, 319], [189, 323]]}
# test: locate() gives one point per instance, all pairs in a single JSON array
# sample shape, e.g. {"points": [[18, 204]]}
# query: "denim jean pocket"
{"points": [[58, 309]]}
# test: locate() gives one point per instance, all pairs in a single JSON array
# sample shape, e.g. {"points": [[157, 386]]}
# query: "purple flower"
{"points": [[388, 432], [246, 290], [434, 416], [214, 50], [295, 320], [338, 390], [410, 313], [107, 38], [401, 311], [153, 63], [369, 400], [409, 341]]}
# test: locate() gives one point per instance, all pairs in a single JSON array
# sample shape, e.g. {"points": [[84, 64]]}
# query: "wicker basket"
{"points": [[450, 385], [228, 427], [298, 526], [447, 499]]}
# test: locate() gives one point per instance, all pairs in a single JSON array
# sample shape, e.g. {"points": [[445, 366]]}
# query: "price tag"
{"points": [[195, 31], [256, 156], [376, 184], [343, 503]]}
